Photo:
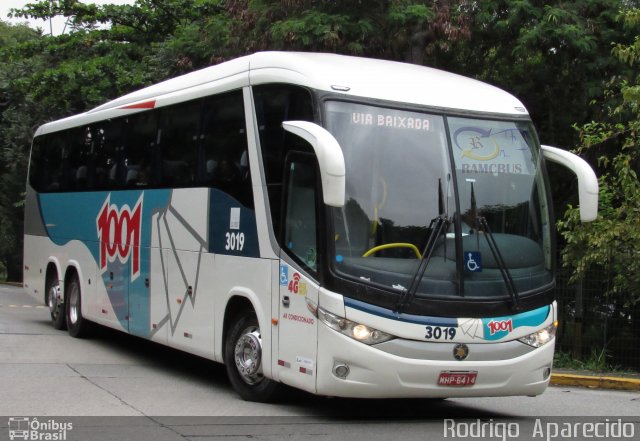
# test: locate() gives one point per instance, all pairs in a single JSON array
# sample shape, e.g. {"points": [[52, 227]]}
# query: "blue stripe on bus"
{"points": [[73, 216], [531, 318], [221, 227], [408, 318]]}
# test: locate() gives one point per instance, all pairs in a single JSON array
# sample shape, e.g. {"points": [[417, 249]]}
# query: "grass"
{"points": [[596, 362]]}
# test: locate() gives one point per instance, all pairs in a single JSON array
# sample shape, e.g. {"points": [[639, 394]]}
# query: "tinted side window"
{"points": [[276, 103], [37, 178], [80, 165], [197, 143], [224, 147], [54, 158], [141, 158], [108, 139], [178, 137]]}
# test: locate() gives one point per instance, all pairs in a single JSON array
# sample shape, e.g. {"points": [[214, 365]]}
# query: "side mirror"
{"points": [[330, 159], [587, 180]]}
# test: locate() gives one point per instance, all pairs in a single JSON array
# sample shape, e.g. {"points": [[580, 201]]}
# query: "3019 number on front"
{"points": [[439, 333]]}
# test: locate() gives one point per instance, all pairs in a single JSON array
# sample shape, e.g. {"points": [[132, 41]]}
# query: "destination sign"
{"points": [[395, 121]]}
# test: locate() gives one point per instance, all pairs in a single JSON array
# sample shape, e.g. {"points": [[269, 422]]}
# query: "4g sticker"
{"points": [[296, 286]]}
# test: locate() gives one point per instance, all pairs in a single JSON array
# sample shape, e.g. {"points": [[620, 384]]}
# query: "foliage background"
{"points": [[573, 64]]}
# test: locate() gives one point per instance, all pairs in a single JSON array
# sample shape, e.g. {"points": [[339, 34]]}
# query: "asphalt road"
{"points": [[117, 387]]}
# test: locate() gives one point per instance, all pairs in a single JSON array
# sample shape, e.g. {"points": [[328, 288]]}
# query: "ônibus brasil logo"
{"points": [[119, 232]]}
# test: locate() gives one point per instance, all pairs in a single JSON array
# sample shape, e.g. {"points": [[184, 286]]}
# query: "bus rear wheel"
{"points": [[243, 360], [77, 326], [55, 303]]}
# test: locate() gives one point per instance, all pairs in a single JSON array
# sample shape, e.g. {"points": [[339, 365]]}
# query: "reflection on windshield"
{"points": [[498, 178], [396, 163]]}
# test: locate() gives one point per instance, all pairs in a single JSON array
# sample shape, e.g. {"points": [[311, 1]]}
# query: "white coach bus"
{"points": [[346, 226]]}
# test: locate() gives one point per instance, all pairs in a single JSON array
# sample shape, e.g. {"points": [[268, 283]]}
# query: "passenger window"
{"points": [[300, 233], [51, 164], [142, 142], [38, 175], [108, 145], [80, 165], [178, 138], [224, 147]]}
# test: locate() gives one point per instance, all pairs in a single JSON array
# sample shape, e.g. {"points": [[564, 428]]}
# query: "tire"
{"points": [[77, 326], [55, 303], [243, 360]]}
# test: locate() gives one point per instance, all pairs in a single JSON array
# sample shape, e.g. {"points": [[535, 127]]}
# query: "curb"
{"points": [[597, 382]]}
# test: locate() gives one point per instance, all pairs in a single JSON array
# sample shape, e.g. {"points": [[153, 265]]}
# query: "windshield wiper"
{"points": [[437, 226], [493, 246]]}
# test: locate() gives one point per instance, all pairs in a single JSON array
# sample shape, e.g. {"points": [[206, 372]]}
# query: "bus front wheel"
{"points": [[243, 360]]}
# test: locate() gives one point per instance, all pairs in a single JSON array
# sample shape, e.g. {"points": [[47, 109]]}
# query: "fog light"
{"points": [[341, 370], [546, 373]]}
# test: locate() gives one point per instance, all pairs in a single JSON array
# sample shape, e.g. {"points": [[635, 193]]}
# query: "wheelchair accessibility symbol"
{"points": [[284, 275], [473, 261]]}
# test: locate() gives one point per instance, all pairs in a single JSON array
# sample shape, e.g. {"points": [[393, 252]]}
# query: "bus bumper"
{"points": [[373, 373]]}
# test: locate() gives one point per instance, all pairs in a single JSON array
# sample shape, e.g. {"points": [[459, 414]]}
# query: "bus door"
{"points": [[297, 325]]}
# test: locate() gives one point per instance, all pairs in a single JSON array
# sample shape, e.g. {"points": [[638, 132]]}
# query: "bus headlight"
{"points": [[356, 331], [541, 337]]}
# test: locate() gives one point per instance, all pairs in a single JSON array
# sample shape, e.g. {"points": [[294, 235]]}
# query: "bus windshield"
{"points": [[405, 169]]}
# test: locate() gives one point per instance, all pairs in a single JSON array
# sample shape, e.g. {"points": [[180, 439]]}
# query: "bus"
{"points": [[346, 226]]}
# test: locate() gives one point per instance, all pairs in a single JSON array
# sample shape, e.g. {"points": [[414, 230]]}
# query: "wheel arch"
{"points": [[73, 269], [241, 299], [52, 271], [237, 302]]}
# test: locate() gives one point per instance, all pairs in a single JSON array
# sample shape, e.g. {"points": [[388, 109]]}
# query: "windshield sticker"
{"points": [[473, 261], [486, 151], [392, 121]]}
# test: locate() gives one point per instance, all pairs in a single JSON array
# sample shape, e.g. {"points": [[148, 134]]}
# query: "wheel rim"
{"points": [[54, 301], [74, 303], [248, 355]]}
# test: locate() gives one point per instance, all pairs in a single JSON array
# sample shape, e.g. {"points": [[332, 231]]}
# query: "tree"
{"points": [[16, 126], [554, 55], [612, 240]]}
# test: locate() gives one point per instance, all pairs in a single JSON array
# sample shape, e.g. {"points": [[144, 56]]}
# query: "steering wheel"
{"points": [[394, 245]]}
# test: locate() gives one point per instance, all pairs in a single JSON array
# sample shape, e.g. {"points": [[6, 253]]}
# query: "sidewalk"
{"points": [[603, 380]]}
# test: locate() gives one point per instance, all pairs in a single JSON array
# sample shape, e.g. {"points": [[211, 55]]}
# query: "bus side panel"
{"points": [[108, 234], [251, 279], [297, 329], [182, 276], [35, 235], [191, 302], [35, 266]]}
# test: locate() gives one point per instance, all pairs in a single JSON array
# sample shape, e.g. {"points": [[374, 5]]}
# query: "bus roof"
{"points": [[345, 75]]}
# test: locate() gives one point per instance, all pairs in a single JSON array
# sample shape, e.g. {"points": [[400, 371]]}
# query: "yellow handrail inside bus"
{"points": [[393, 245]]}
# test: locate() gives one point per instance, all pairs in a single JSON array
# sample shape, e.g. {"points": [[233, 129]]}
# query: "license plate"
{"points": [[457, 378]]}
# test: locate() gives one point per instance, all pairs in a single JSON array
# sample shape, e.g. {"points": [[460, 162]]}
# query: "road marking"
{"points": [[21, 306]]}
